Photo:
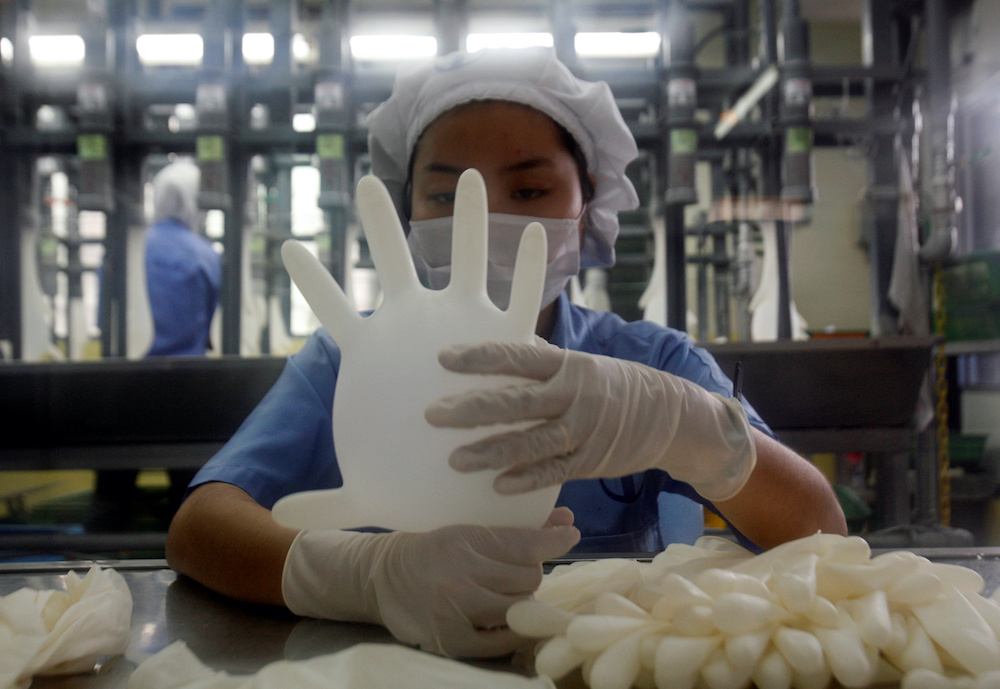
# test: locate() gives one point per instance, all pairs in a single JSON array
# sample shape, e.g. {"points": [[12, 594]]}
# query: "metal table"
{"points": [[226, 635], [241, 638]]}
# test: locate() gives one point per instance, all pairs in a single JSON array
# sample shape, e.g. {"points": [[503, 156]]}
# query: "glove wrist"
{"points": [[327, 575], [735, 454], [709, 440]]}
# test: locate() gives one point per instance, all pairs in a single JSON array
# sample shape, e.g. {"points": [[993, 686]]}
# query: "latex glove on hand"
{"points": [[599, 417], [446, 591]]}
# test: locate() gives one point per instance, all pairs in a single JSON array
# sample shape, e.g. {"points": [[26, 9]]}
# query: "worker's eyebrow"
{"points": [[441, 167], [520, 166], [530, 164]]}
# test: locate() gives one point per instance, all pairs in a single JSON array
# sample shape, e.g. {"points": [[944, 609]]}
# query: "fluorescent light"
{"points": [[6, 49], [478, 41], [57, 50], [258, 48], [304, 122], [300, 48], [617, 44], [170, 49], [387, 48]]}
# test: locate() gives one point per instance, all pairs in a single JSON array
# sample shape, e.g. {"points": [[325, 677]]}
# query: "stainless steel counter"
{"points": [[224, 634], [241, 638]]}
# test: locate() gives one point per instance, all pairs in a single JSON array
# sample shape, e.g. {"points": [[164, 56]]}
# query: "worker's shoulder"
{"points": [[640, 340]]}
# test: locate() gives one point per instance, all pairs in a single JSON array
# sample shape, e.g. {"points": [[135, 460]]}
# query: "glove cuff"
{"points": [[737, 454], [325, 575]]}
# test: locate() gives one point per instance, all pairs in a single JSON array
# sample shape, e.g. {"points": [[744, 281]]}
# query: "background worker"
{"points": [[183, 277]]}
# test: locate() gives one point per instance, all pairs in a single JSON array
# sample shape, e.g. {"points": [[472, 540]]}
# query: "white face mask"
{"points": [[430, 244]]}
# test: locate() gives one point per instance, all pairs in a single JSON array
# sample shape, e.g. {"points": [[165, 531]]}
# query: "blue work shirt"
{"points": [[286, 444], [183, 275]]}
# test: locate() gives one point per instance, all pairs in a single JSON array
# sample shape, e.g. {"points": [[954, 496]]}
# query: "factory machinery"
{"points": [[79, 141]]}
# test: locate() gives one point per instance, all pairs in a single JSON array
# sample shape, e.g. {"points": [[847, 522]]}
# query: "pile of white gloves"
{"points": [[597, 417], [446, 591], [808, 614], [63, 632]]}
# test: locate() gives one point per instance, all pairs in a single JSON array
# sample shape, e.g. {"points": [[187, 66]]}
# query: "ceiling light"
{"points": [[258, 48], [57, 50], [478, 41], [618, 44], [388, 48], [170, 49]]}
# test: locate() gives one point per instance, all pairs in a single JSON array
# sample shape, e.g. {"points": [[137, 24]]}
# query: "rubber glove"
{"points": [[55, 632], [446, 591], [599, 417]]}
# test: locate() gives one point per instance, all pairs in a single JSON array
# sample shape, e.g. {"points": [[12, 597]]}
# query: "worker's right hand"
{"points": [[446, 591]]}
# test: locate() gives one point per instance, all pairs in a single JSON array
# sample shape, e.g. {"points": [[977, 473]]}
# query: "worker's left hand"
{"points": [[599, 417]]}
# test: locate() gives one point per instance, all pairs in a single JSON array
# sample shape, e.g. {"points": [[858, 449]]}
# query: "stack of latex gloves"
{"points": [[364, 666], [812, 613], [63, 632]]}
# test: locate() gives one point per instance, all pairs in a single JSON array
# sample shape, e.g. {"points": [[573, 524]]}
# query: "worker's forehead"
{"points": [[501, 131]]}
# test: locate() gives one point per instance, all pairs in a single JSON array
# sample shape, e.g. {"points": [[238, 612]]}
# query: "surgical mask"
{"points": [[430, 244]]}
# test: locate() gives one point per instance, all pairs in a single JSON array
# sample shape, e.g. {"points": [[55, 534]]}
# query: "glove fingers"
{"points": [[517, 546], [513, 581], [503, 358], [533, 477], [499, 405], [546, 441]]}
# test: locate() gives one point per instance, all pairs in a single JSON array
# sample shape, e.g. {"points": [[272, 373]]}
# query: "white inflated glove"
{"points": [[600, 417], [446, 591]]}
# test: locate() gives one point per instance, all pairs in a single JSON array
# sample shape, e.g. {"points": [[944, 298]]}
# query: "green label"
{"points": [[92, 146], [330, 146], [323, 242], [210, 148], [683, 141], [798, 140]]}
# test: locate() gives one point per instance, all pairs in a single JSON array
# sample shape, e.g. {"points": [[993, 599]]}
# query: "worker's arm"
{"points": [[785, 497], [446, 591], [602, 417], [224, 539]]}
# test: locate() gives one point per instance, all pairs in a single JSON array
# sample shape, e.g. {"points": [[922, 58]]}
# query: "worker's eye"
{"points": [[527, 194], [444, 198]]}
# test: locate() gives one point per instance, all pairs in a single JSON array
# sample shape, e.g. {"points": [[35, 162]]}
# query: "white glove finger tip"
{"points": [[529, 277], [465, 462], [469, 235], [386, 240], [324, 296]]}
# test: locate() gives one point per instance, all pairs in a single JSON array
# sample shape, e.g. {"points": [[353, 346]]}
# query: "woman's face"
{"points": [[519, 151]]}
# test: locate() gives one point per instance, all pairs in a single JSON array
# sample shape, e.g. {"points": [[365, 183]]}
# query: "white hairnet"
{"points": [[175, 193], [532, 77]]}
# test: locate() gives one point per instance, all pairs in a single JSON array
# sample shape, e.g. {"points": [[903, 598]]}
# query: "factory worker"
{"points": [[183, 275], [624, 410], [183, 271]]}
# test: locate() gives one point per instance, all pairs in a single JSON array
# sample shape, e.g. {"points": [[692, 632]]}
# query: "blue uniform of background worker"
{"points": [[552, 148], [183, 276], [183, 271]]}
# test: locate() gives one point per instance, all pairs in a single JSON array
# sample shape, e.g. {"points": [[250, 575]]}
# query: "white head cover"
{"points": [[532, 77], [175, 193]]}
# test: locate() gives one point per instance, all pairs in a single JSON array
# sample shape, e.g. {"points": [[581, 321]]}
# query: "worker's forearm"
{"points": [[225, 540], [785, 498]]}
